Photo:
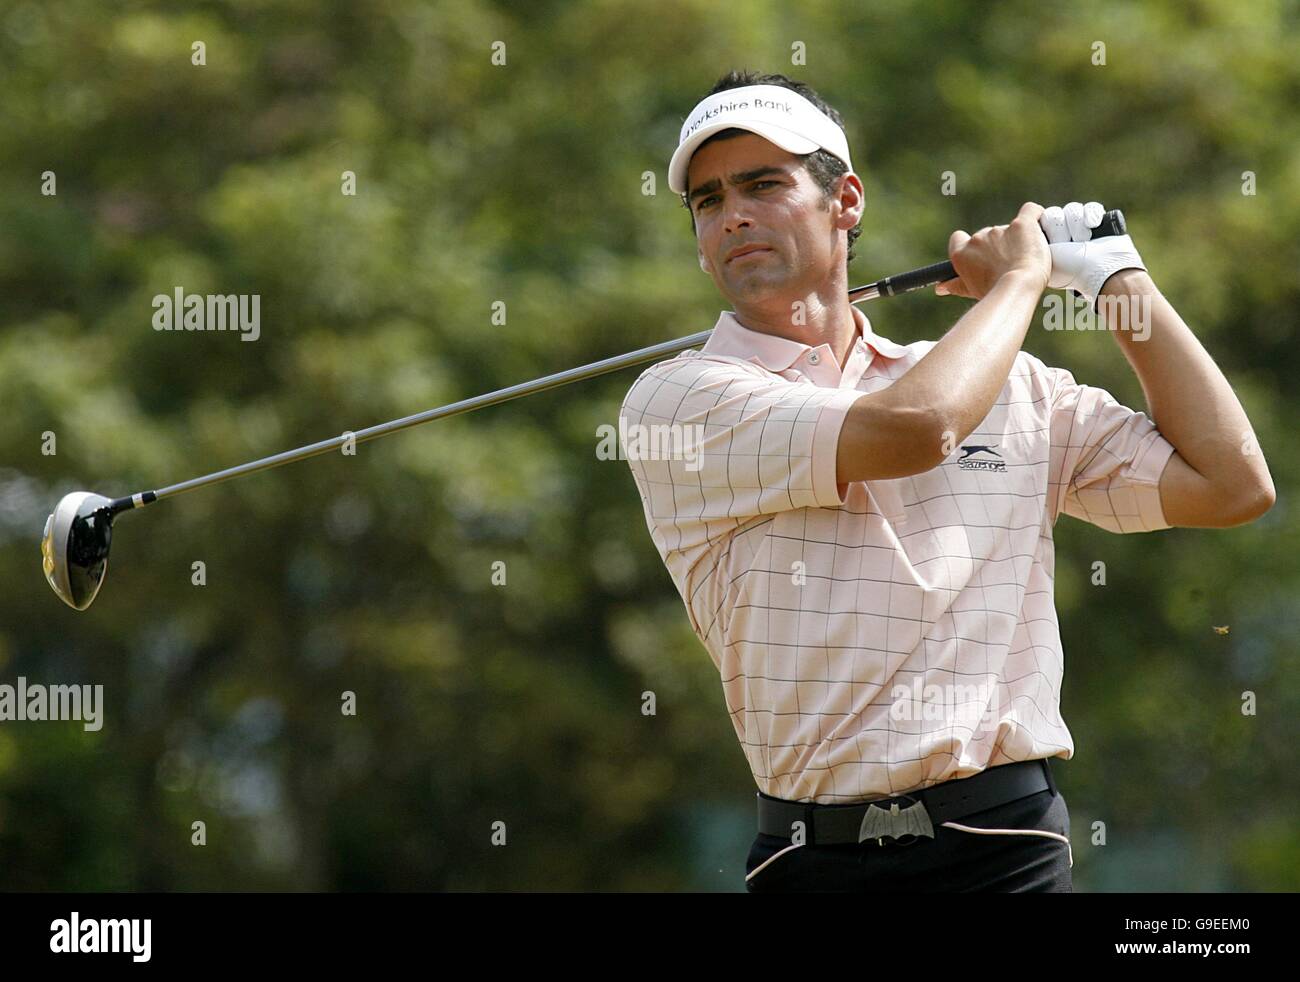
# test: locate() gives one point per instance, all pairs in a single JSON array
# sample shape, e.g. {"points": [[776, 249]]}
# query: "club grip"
{"points": [[1112, 223], [914, 279]]}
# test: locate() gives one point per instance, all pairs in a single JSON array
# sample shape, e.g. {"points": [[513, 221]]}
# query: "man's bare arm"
{"points": [[1217, 477]]}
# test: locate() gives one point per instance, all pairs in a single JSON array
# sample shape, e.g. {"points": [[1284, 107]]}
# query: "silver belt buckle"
{"points": [[895, 823]]}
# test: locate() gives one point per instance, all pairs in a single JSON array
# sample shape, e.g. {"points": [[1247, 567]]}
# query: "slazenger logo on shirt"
{"points": [[982, 463]]}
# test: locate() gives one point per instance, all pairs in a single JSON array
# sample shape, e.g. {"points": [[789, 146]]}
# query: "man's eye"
{"points": [[709, 199]]}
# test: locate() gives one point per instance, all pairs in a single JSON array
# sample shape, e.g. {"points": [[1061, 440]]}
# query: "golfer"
{"points": [[861, 531]]}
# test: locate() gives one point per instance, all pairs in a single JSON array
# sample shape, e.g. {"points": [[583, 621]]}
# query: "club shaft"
{"points": [[664, 349]]}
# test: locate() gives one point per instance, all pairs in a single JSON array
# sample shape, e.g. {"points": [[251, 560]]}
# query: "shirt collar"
{"points": [[732, 338]]}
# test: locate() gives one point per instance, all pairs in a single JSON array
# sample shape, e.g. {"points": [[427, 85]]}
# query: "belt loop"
{"points": [[808, 824], [1051, 782]]}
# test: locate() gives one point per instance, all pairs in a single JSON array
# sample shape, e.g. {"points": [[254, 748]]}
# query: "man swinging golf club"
{"points": [[863, 540]]}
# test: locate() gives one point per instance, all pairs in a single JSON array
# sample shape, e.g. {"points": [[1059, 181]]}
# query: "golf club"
{"points": [[75, 543]]}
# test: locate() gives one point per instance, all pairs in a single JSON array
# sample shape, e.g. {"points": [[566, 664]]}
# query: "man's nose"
{"points": [[734, 216]]}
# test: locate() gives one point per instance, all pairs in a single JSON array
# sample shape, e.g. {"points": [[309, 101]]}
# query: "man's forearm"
{"points": [[1187, 396], [961, 376]]}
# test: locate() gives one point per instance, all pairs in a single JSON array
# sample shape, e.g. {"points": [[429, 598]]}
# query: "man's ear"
{"points": [[853, 201]]}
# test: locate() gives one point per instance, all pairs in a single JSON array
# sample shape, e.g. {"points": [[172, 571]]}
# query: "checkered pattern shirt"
{"points": [[882, 636]]}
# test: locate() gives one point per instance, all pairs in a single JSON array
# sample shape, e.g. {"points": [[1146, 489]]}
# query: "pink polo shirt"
{"points": [[882, 636]]}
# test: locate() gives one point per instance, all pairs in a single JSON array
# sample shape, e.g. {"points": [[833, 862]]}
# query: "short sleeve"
{"points": [[712, 439], [1106, 459]]}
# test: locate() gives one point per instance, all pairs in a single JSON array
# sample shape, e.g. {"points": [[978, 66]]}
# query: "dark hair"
{"points": [[824, 167]]}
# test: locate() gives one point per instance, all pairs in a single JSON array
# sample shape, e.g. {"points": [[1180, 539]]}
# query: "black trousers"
{"points": [[954, 861]]}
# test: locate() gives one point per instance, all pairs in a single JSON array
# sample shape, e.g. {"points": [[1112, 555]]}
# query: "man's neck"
{"points": [[815, 319]]}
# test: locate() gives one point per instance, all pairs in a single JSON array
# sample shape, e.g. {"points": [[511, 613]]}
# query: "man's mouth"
{"points": [[748, 250]]}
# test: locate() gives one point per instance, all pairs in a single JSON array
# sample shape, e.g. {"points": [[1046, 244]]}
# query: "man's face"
{"points": [[745, 191]]}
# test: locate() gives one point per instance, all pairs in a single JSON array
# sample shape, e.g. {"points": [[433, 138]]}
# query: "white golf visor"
{"points": [[774, 112]]}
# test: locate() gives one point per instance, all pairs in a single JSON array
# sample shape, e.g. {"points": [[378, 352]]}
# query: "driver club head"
{"points": [[74, 547]]}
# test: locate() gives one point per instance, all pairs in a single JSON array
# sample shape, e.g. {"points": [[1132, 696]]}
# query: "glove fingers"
{"points": [[1093, 213], [1052, 222], [1075, 222]]}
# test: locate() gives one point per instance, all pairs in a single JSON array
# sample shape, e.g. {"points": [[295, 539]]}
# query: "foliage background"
{"points": [[523, 183]]}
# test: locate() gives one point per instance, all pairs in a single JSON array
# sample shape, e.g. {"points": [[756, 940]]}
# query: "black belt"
{"points": [[900, 820]]}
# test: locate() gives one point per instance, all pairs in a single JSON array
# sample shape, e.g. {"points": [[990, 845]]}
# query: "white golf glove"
{"points": [[1079, 262]]}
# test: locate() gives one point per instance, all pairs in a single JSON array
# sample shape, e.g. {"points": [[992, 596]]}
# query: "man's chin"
{"points": [[756, 287]]}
